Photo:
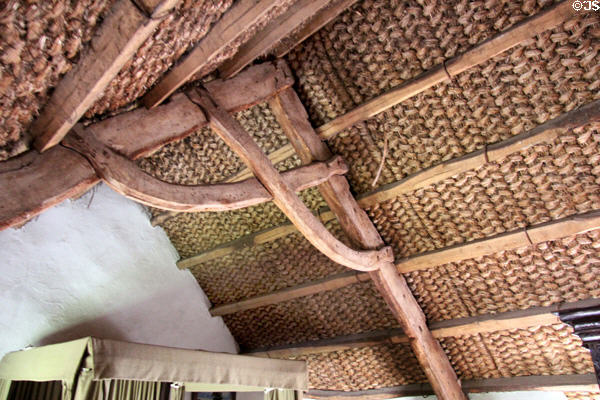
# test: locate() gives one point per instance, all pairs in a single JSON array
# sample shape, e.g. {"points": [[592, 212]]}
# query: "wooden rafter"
{"points": [[293, 119], [123, 31], [519, 319], [321, 19], [553, 383], [126, 178], [286, 199], [443, 73], [543, 133], [233, 25], [552, 230], [277, 29]]}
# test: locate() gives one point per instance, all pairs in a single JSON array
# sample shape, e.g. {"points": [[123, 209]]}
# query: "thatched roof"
{"points": [[368, 49]]}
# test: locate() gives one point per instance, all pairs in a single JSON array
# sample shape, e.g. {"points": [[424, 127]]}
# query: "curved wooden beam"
{"points": [[125, 177], [33, 182], [284, 197]]}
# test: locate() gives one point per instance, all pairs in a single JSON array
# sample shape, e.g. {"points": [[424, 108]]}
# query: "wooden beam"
{"points": [[552, 230], [321, 19], [281, 154], [551, 383], [490, 48], [126, 178], [284, 197], [543, 133], [123, 31], [519, 319], [293, 119], [276, 30], [141, 132], [330, 283], [232, 26], [33, 182]]}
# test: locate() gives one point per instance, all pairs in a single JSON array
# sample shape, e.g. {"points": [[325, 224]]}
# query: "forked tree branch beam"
{"points": [[234, 24], [543, 133], [284, 197], [122, 32], [125, 177], [503, 41], [553, 383], [293, 119], [486, 323], [535, 234]]}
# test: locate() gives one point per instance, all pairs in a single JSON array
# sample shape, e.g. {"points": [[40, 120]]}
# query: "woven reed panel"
{"points": [[39, 42], [175, 36], [204, 158], [353, 309], [265, 268], [400, 226], [564, 270], [582, 395], [542, 350], [193, 233], [547, 182], [364, 368], [513, 92]]}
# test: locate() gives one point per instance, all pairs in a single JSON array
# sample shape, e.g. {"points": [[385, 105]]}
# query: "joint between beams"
{"points": [[526, 230], [450, 77]]}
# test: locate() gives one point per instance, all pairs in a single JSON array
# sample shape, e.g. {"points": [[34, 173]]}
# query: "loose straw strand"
{"points": [[383, 156]]}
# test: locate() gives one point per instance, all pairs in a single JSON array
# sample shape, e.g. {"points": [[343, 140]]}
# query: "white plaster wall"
{"points": [[95, 266]]}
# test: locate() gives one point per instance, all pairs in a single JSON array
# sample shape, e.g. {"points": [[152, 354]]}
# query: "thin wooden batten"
{"points": [[543, 133], [484, 51], [123, 31], [539, 233], [486, 323], [553, 383]]}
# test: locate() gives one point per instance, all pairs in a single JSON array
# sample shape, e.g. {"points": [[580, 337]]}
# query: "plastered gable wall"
{"points": [[95, 266]]}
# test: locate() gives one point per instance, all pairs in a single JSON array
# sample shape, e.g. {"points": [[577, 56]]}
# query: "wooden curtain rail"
{"points": [[552, 383], [543, 133], [484, 51], [286, 199], [125, 177], [539, 233], [519, 319]]}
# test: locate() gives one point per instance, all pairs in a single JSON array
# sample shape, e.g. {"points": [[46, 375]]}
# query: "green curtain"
{"points": [[4, 388], [88, 389], [283, 394], [27, 390]]}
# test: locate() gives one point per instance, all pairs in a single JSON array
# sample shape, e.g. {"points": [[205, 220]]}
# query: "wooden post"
{"points": [[293, 119]]}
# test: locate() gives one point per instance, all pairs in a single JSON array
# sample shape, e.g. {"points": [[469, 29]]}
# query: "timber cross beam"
{"points": [[376, 259]]}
